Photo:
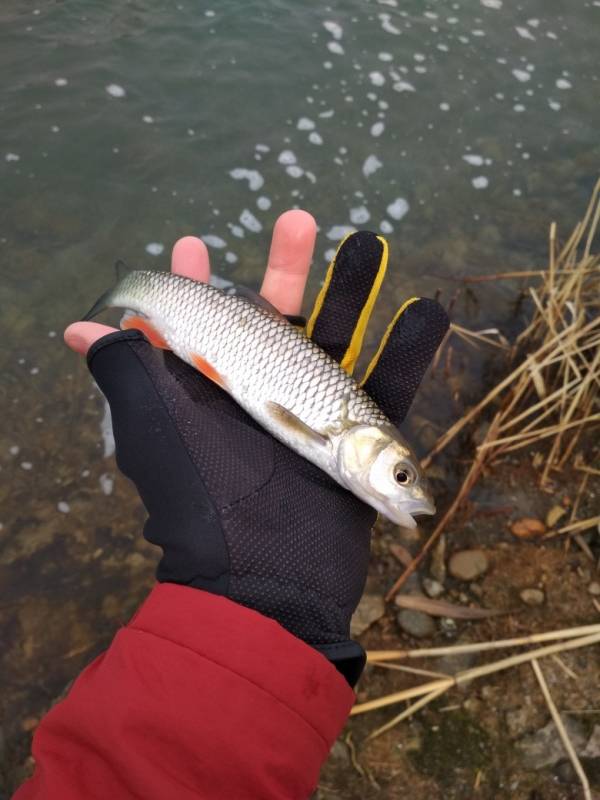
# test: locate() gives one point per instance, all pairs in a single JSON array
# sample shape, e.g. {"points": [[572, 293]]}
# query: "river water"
{"points": [[460, 130]]}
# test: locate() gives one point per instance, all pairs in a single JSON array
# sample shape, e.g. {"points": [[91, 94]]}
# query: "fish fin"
{"points": [[209, 371], [104, 301], [143, 324], [121, 269], [294, 424], [253, 297]]}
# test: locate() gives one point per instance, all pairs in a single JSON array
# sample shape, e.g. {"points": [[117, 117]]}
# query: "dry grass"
{"points": [[551, 394]]}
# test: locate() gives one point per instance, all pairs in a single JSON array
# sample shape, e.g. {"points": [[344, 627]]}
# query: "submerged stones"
{"points": [[468, 565]]}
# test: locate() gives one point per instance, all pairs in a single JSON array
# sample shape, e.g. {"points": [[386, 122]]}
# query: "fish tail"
{"points": [[105, 299]]}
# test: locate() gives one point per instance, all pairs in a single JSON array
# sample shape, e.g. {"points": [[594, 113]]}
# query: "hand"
{"points": [[236, 512]]}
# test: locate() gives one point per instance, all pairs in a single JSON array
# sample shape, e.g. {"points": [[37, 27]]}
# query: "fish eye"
{"points": [[404, 475]]}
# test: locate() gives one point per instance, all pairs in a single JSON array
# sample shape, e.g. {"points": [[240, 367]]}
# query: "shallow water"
{"points": [[460, 130]]}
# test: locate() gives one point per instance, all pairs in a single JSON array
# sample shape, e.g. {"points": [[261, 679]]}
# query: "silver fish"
{"points": [[283, 380]]}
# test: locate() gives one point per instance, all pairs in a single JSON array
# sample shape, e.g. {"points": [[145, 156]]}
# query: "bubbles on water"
{"points": [[254, 178], [371, 165], [148, 119], [154, 248], [264, 203], [387, 24], [336, 48], [377, 78], [480, 182], [12, 157], [339, 232], [404, 86], [61, 82], [14, 450], [63, 507], [305, 124], [26, 465], [398, 209], [377, 129], [525, 33], [521, 75], [115, 90], [214, 241], [250, 222], [563, 83], [230, 257], [494, 4], [359, 215]]}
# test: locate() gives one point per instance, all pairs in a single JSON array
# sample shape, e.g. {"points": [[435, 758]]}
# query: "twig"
{"points": [[408, 712]]}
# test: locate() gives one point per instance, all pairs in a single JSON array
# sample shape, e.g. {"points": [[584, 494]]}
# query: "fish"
{"points": [[282, 379]]}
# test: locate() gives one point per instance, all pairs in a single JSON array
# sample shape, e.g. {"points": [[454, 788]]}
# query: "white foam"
{"points": [[14, 450], [519, 108], [61, 82], [286, 157], [26, 465], [294, 171], [371, 165], [230, 257], [338, 232], [480, 182], [445, 106], [383, 56], [264, 203], [398, 209], [404, 86], [562, 83], [525, 33], [214, 241], [495, 4], [315, 138], [335, 47], [250, 222], [359, 215], [327, 114], [254, 178], [554, 104], [521, 75], [63, 507], [107, 483], [12, 157], [534, 23], [154, 248], [148, 119], [377, 129], [263, 148], [334, 28], [377, 78], [305, 124], [236, 230], [385, 226], [114, 90], [387, 25]]}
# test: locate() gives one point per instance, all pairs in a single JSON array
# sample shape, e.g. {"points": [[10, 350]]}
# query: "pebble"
{"points": [[544, 748], [432, 587], [528, 528], [532, 597], [594, 588], [370, 609], [416, 623], [468, 565]]}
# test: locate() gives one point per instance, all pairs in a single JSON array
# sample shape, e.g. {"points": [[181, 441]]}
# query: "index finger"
{"points": [[291, 253]]}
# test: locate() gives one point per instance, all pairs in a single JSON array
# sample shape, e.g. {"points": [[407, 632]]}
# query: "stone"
{"points": [[370, 609], [544, 747], [594, 588], [339, 753], [592, 748], [416, 623], [532, 597], [432, 587], [467, 565], [519, 720], [528, 528]]}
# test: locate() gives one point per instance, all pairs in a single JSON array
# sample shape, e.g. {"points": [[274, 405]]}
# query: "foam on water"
{"points": [[359, 215], [250, 222], [371, 165], [115, 90], [254, 178], [214, 241], [334, 28], [480, 182], [154, 248], [338, 232]]}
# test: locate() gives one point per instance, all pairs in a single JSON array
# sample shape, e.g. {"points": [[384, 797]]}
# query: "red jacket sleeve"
{"points": [[196, 698]]}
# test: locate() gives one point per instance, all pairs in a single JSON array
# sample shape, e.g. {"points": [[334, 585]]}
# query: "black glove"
{"points": [[236, 512]]}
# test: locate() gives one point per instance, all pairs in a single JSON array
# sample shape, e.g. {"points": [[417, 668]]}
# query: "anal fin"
{"points": [[209, 371], [146, 327]]}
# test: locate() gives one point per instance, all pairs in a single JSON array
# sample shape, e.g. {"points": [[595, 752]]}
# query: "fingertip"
{"points": [[190, 259], [294, 235], [80, 336]]}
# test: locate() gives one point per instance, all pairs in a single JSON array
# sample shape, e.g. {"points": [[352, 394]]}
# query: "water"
{"points": [[460, 130]]}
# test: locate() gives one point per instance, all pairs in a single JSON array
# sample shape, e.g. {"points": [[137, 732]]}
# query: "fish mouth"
{"points": [[405, 516]]}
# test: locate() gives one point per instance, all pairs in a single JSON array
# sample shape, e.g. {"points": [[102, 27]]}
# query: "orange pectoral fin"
{"points": [[146, 327], [209, 371]]}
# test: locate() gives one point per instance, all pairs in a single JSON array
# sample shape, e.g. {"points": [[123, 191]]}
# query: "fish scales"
{"points": [[260, 357]]}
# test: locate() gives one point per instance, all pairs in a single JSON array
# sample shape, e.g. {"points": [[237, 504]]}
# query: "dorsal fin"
{"points": [[121, 269], [253, 297]]}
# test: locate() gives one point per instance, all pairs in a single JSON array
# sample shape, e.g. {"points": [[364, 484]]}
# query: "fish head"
{"points": [[380, 468]]}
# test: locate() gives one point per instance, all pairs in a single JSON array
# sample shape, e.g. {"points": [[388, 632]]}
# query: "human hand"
{"points": [[236, 512]]}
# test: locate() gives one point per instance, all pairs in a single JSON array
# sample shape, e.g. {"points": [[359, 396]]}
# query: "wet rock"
{"points": [[532, 597], [416, 623], [594, 588], [520, 720], [370, 609], [432, 587], [544, 747], [467, 565]]}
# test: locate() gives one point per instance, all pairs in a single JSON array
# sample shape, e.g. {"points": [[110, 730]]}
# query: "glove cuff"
{"points": [[347, 657]]}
